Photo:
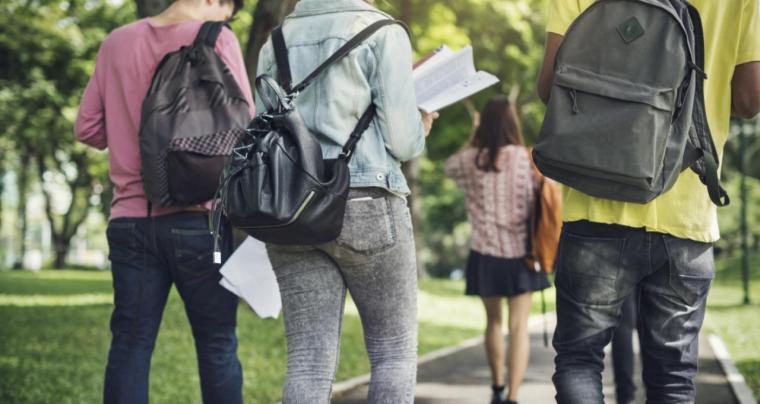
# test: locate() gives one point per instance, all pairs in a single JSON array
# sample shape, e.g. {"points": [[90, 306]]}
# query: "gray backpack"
{"points": [[626, 113], [192, 116]]}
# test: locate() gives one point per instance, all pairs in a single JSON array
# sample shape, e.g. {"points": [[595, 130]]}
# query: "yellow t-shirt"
{"points": [[732, 37]]}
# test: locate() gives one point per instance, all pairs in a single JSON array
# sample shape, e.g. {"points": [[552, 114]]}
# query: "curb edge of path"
{"points": [[347, 385], [739, 386]]}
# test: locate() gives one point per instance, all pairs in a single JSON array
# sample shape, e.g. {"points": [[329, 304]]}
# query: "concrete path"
{"points": [[463, 378]]}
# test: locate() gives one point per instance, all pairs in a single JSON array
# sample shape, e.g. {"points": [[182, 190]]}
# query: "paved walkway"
{"points": [[463, 378]]}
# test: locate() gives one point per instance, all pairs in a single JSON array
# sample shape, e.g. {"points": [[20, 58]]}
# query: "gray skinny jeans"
{"points": [[374, 258]]}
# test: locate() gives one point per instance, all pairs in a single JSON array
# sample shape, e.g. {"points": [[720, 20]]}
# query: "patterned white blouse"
{"points": [[498, 203]]}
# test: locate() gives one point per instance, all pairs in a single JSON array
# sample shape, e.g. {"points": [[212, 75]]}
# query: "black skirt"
{"points": [[489, 276]]}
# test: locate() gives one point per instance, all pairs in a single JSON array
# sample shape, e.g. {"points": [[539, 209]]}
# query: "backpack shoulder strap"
{"points": [[706, 166], [209, 33]]}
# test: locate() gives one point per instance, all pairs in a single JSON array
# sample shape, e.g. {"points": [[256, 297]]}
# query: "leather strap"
{"points": [[286, 80], [281, 57], [283, 65], [356, 135]]}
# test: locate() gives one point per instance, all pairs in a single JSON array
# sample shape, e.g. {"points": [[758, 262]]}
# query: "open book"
{"points": [[446, 77]]}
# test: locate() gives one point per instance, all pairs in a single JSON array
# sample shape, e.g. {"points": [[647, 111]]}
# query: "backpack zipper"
{"points": [[293, 219]]}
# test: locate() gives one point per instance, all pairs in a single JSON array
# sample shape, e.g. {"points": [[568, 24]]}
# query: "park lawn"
{"points": [[737, 324], [54, 339]]}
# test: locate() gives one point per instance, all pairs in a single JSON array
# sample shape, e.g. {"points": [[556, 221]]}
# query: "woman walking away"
{"points": [[496, 174], [374, 256]]}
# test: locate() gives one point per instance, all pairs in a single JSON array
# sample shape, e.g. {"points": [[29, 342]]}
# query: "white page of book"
{"points": [[445, 73], [463, 89], [448, 77], [441, 55]]}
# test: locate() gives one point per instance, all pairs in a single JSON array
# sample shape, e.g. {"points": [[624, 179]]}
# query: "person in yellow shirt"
{"points": [[664, 248]]}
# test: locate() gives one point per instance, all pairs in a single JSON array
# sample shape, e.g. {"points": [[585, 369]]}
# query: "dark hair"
{"points": [[237, 5], [499, 127]]}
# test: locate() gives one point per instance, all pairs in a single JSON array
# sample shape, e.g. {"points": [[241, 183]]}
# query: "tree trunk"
{"points": [[61, 251], [267, 15], [22, 184], [81, 190], [149, 8]]}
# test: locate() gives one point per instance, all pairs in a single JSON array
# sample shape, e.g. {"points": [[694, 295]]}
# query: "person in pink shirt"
{"points": [[150, 251]]}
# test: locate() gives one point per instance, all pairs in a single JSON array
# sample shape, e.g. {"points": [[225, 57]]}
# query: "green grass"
{"points": [[54, 339], [737, 324]]}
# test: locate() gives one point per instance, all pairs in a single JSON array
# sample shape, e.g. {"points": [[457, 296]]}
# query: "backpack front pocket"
{"points": [[607, 127], [195, 164]]}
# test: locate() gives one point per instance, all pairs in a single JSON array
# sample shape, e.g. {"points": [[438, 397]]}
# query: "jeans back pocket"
{"points": [[691, 269], [368, 227], [122, 240], [588, 268], [193, 250]]}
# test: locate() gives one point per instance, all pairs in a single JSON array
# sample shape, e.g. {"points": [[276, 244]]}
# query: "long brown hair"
{"points": [[499, 127]]}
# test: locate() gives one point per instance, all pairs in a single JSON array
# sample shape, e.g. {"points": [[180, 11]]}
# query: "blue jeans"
{"points": [[147, 257], [599, 265]]}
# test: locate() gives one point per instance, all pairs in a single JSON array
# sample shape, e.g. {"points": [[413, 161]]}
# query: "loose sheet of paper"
{"points": [[248, 274]]}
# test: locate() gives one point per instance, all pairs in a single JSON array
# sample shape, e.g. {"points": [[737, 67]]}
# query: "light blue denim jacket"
{"points": [[379, 71]]}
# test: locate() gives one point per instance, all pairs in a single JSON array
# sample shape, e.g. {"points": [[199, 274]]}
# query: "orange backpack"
{"points": [[545, 223]]}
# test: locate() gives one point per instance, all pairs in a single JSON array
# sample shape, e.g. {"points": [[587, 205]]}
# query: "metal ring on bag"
{"points": [[284, 101]]}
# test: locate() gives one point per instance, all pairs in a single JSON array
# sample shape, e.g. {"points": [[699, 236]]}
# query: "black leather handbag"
{"points": [[277, 186]]}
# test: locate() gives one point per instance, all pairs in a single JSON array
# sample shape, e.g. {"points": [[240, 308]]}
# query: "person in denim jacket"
{"points": [[374, 256]]}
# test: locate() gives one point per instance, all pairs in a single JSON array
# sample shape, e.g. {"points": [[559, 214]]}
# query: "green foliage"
{"points": [[730, 216], [47, 53], [732, 161]]}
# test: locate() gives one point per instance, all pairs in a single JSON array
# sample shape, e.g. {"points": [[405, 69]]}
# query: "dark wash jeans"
{"points": [[147, 257], [599, 265], [623, 357]]}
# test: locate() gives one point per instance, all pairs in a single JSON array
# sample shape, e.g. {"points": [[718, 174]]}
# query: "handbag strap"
{"points": [[281, 58], [286, 79], [283, 63], [356, 135]]}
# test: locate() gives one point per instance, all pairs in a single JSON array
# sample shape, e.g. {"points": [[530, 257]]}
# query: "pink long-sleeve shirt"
{"points": [[109, 113]]}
